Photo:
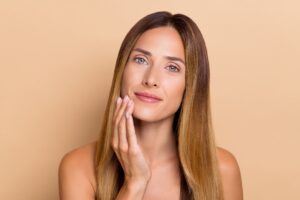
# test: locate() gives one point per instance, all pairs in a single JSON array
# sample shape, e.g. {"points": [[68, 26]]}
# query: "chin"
{"points": [[148, 115], [144, 115]]}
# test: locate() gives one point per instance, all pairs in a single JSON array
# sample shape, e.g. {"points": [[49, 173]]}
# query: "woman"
{"points": [[156, 140]]}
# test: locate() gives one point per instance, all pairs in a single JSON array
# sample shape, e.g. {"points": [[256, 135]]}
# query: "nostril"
{"points": [[147, 83]]}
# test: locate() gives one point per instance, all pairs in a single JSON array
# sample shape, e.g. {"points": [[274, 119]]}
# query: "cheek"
{"points": [[177, 90], [129, 81], [124, 83], [175, 93]]}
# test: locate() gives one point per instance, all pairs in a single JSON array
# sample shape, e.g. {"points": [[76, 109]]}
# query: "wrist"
{"points": [[135, 185]]}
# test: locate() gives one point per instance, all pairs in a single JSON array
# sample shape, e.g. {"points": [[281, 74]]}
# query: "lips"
{"points": [[147, 97]]}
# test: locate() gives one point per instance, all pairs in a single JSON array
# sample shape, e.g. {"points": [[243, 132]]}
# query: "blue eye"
{"points": [[173, 68], [140, 60]]}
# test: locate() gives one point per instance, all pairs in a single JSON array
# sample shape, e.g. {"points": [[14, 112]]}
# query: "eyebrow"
{"points": [[150, 54]]}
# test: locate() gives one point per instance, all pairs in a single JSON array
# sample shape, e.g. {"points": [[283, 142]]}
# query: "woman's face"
{"points": [[156, 67]]}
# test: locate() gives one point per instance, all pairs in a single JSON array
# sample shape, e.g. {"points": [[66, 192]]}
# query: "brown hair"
{"points": [[192, 123]]}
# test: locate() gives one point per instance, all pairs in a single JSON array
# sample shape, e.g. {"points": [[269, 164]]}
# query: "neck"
{"points": [[157, 140]]}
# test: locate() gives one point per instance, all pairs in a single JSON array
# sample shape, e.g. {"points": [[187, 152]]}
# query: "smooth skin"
{"points": [[136, 169], [77, 178], [125, 143], [143, 139]]}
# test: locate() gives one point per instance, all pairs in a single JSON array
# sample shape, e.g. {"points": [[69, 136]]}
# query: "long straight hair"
{"points": [[192, 122]]}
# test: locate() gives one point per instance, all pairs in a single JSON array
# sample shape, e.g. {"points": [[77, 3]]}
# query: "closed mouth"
{"points": [[148, 96]]}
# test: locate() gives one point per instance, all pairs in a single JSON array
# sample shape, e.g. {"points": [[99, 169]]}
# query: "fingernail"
{"points": [[119, 100], [130, 103], [126, 99]]}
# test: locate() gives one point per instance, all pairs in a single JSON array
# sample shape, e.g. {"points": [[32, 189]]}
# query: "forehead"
{"points": [[164, 41]]}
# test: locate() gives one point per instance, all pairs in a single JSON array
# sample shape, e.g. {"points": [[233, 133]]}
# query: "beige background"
{"points": [[56, 64]]}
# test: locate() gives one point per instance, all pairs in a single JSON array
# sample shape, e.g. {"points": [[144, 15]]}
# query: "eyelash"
{"points": [[138, 59], [177, 69]]}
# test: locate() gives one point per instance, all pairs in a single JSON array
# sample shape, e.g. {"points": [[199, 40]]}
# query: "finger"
{"points": [[115, 136], [131, 135], [117, 108], [123, 145], [120, 160], [122, 109], [119, 114]]}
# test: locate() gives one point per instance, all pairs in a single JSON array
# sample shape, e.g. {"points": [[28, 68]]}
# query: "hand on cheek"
{"points": [[124, 143]]}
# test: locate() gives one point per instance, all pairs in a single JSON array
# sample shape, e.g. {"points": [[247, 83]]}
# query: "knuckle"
{"points": [[114, 145], [133, 152], [123, 148]]}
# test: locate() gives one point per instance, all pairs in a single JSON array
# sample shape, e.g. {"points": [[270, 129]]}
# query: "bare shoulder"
{"points": [[227, 160], [77, 179], [230, 174]]}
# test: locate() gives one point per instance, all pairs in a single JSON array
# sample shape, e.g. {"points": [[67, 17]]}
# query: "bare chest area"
{"points": [[163, 185]]}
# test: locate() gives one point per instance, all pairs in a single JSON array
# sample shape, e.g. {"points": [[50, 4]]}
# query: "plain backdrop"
{"points": [[56, 64]]}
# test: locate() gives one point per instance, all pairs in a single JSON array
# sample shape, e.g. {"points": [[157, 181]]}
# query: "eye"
{"points": [[173, 68], [140, 60]]}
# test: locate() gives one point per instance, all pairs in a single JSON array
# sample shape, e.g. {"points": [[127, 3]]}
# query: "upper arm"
{"points": [[74, 183], [231, 176]]}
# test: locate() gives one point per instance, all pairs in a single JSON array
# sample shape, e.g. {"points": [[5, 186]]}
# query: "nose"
{"points": [[151, 77]]}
